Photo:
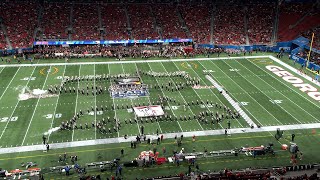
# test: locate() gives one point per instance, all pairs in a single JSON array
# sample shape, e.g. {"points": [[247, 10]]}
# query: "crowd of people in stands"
{"points": [[264, 14], [316, 40], [114, 22], [142, 23], [85, 22], [55, 21], [229, 25], [121, 52], [76, 21], [167, 19], [197, 18], [20, 20], [314, 57]]}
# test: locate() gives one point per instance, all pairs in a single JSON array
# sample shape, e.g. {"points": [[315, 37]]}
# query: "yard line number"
{"points": [[6, 119]]}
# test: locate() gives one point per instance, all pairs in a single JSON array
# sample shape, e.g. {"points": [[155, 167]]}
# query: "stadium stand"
{"points": [[197, 18], [263, 15], [55, 21], [252, 24], [114, 21], [228, 28], [85, 22], [20, 20], [142, 24], [295, 19], [3, 43], [168, 20], [316, 40]]}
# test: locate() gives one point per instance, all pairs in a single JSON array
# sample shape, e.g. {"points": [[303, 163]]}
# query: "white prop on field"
{"points": [[51, 130], [26, 93]]}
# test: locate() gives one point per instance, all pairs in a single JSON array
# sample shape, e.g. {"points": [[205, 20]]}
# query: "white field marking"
{"points": [[280, 93], [266, 95], [10, 83], [209, 90], [268, 129], [183, 97], [130, 98], [76, 105], [293, 89], [130, 61], [95, 102], [168, 102], [247, 94], [35, 109], [296, 71], [115, 111], [233, 103], [55, 108], [1, 70], [15, 106]]}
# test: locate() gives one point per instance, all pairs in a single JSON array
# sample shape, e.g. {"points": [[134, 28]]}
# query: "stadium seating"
{"points": [[3, 43], [316, 40], [114, 21], [55, 20], [142, 23], [260, 23], [290, 14], [85, 22], [229, 25], [197, 18], [168, 19], [20, 20]]}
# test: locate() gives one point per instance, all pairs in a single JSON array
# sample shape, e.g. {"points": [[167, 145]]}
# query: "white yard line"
{"points": [[95, 103], [2, 70], [168, 136], [114, 106], [76, 105], [265, 94], [10, 83], [16, 104], [168, 102], [130, 98], [34, 111], [280, 93], [233, 103], [183, 97], [130, 61], [55, 108], [247, 94]]}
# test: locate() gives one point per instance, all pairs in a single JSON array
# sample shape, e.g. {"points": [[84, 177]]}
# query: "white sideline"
{"points": [[233, 103], [132, 61], [166, 136]]}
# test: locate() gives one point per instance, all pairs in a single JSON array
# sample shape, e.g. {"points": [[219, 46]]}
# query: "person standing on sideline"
{"points": [[44, 139], [292, 137], [142, 130], [229, 124], [47, 146], [122, 152]]}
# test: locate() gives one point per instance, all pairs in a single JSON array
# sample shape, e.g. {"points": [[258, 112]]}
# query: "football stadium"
{"points": [[159, 89]]}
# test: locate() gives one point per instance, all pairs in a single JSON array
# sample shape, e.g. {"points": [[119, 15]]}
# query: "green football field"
{"points": [[264, 97]]}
